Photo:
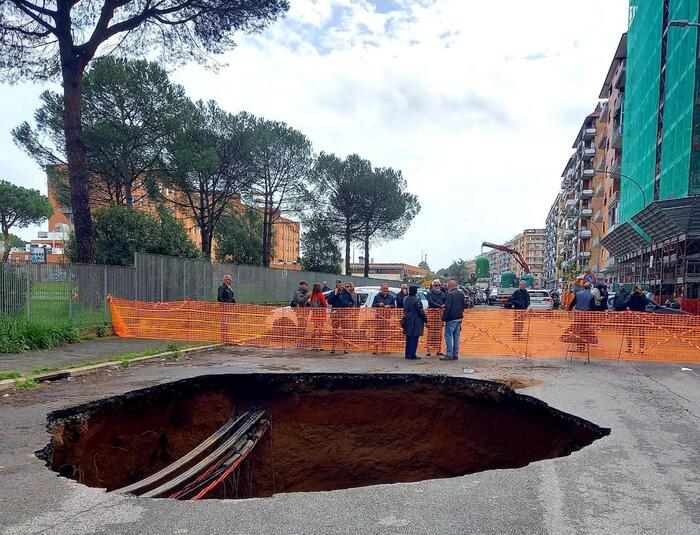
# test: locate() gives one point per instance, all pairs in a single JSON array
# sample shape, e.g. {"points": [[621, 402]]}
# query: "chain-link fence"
{"points": [[76, 292]]}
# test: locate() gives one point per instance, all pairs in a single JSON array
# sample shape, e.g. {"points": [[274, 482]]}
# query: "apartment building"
{"points": [[656, 240], [553, 243], [530, 244], [613, 91]]}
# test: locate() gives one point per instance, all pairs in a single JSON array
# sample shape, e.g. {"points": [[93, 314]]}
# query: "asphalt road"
{"points": [[643, 478]]}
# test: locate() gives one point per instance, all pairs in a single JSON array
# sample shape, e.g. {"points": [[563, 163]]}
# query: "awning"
{"points": [[623, 239], [670, 218]]}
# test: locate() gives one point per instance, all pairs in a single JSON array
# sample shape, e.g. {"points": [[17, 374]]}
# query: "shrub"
{"points": [[19, 334]]}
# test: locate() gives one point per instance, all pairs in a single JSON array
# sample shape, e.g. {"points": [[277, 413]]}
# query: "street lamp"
{"points": [[639, 186], [684, 24]]}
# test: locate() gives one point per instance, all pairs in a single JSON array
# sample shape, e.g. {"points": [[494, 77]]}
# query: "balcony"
{"points": [[586, 194], [598, 216], [588, 172], [615, 166], [619, 78], [610, 262], [586, 213], [617, 138], [585, 234], [588, 153], [584, 254], [599, 190], [589, 133], [618, 104]]}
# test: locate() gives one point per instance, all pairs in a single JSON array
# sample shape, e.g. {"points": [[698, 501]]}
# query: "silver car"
{"points": [[540, 300]]}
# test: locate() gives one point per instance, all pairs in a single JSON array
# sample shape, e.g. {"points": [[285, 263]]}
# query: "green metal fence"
{"points": [[76, 293]]}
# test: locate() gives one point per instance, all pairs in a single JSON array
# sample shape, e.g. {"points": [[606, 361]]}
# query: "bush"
{"points": [[19, 334]]}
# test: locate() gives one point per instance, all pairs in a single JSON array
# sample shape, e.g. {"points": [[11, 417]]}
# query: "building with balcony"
{"points": [[656, 240], [614, 91]]}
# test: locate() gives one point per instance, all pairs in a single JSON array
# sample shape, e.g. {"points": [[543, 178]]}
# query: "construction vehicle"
{"points": [[509, 280]]}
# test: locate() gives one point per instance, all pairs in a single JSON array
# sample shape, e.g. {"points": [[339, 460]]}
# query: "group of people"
{"points": [[450, 299], [592, 299]]}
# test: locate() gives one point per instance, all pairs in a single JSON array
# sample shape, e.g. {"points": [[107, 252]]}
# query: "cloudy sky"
{"points": [[478, 103]]}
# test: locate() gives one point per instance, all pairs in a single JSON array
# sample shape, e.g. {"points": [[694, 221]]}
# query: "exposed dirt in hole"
{"points": [[516, 383], [328, 431]]}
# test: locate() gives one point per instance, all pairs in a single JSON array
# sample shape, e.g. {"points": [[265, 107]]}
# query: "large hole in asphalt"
{"points": [[327, 431]]}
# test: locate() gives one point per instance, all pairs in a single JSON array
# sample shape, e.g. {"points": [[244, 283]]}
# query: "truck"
{"points": [[509, 280]]}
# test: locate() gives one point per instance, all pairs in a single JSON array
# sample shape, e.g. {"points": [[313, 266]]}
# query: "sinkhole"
{"points": [[312, 432]]}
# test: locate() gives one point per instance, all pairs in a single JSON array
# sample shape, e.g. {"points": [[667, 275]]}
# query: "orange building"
{"points": [[286, 233]]}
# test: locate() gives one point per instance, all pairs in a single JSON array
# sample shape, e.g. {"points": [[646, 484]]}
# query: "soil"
{"points": [[516, 383], [328, 431]]}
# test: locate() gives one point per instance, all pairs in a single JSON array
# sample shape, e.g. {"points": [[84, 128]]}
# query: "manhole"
{"points": [[326, 431]]}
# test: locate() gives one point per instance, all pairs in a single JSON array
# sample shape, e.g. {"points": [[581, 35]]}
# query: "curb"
{"points": [[6, 384]]}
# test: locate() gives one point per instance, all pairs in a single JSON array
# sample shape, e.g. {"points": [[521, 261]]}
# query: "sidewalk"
{"points": [[101, 349]]}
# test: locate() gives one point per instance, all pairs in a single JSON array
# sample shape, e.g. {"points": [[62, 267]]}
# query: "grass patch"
{"points": [[12, 374], [19, 334], [26, 383]]}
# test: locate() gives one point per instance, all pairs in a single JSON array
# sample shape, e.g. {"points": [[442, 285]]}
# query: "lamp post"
{"points": [[616, 174]]}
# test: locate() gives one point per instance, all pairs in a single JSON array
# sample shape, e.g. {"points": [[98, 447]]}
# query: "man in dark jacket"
{"points": [[620, 301], [519, 300], [436, 299], [401, 295], [340, 320], [382, 301], [452, 315], [637, 302], [225, 293], [584, 301]]}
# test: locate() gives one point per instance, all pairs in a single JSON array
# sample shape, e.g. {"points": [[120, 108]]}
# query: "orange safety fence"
{"points": [[485, 331]]}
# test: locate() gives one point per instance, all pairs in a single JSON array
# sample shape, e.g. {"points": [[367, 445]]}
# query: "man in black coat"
{"points": [[452, 315], [637, 302], [436, 299], [413, 321], [519, 300], [383, 301], [225, 293]]}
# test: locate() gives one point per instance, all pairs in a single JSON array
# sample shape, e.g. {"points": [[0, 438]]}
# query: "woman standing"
{"points": [[318, 305], [413, 320]]}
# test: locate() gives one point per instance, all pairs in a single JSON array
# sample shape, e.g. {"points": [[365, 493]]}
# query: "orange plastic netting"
{"points": [[485, 332]]}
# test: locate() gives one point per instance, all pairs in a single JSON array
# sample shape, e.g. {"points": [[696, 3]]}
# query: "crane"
{"points": [[515, 254]]}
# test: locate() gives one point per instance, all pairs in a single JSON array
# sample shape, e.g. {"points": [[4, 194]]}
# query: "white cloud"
{"points": [[478, 103]]}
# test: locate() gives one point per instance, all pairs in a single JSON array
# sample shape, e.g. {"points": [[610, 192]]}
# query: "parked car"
{"points": [[540, 300], [493, 298]]}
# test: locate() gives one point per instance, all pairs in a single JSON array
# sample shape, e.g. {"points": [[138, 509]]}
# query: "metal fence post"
{"points": [[161, 279], [104, 295], [136, 276], [184, 280], [70, 294], [29, 292]]}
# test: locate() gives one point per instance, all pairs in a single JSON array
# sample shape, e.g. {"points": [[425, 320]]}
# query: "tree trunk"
{"points": [[265, 259], [366, 270], [206, 241], [78, 176], [348, 238], [270, 241], [7, 247]]}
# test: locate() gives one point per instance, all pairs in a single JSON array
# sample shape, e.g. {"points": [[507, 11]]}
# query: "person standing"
{"points": [[383, 301], [620, 301], [583, 301], [325, 287], [225, 295], [637, 302], [520, 301], [581, 331], [225, 292], [452, 315], [339, 300], [401, 296], [317, 305], [413, 322], [436, 300], [604, 296], [300, 300]]}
